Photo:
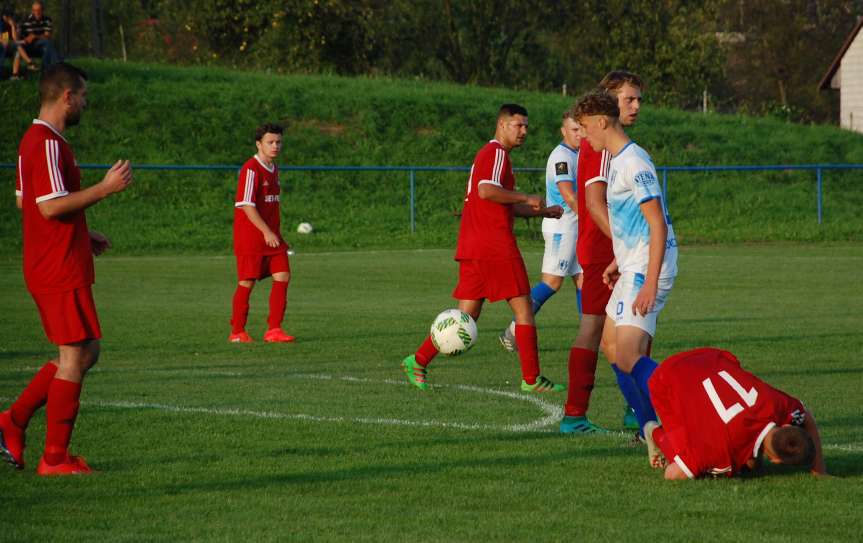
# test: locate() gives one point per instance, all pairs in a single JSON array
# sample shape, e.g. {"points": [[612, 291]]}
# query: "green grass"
{"points": [[172, 115], [318, 460]]}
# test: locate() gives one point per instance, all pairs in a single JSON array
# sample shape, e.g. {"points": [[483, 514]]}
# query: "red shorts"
{"points": [[594, 293], [491, 279], [69, 317], [254, 267]]}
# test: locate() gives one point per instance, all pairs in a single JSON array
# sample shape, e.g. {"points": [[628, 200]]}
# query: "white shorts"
{"points": [[619, 307], [559, 258]]}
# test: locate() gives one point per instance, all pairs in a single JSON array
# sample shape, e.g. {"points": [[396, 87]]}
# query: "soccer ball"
{"points": [[304, 228], [453, 332]]}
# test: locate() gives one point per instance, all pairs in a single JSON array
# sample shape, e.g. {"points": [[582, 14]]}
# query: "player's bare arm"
{"points": [[567, 191], [270, 237], [525, 210], [19, 201], [118, 178], [653, 213], [500, 195], [597, 206], [819, 469]]}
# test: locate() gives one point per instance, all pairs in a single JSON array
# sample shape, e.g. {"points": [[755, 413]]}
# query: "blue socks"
{"points": [[641, 372], [539, 294], [631, 391], [578, 300]]}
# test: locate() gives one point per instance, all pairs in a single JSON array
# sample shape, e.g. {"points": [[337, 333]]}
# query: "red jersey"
{"points": [[486, 227], [57, 253], [258, 186], [716, 413], [592, 246]]}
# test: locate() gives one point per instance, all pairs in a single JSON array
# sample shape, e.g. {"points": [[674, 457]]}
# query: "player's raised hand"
{"points": [[99, 243], [271, 239], [119, 177], [553, 212]]}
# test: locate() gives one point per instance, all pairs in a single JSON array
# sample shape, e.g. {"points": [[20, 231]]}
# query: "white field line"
{"points": [[552, 412]]}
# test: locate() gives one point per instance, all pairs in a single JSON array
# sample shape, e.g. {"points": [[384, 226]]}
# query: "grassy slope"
{"points": [[168, 115], [210, 475]]}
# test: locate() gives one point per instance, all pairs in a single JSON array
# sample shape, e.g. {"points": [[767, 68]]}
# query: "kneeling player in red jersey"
{"points": [[258, 244], [58, 269], [490, 263], [719, 419]]}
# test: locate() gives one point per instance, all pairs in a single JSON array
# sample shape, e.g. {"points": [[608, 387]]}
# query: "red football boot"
{"points": [[11, 441], [73, 465], [277, 335], [240, 337]]}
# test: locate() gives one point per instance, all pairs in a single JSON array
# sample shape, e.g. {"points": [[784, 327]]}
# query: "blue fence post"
{"points": [[413, 200], [665, 186], [820, 197]]}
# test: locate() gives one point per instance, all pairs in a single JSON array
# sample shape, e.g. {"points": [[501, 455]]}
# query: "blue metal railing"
{"points": [[412, 171]]}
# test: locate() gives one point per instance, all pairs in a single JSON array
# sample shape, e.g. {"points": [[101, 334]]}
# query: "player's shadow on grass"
{"points": [[843, 463], [22, 355]]}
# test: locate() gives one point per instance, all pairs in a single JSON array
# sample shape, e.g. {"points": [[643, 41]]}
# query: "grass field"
{"points": [[196, 439], [158, 114]]}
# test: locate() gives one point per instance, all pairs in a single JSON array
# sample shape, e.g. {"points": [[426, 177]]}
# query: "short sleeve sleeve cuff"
{"points": [[682, 465], [51, 196]]}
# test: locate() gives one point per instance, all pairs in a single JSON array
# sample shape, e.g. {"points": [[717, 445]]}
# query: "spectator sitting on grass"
{"points": [[10, 41], [37, 29]]}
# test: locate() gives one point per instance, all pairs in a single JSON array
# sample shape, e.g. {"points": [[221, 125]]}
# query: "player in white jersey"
{"points": [[645, 248], [559, 260]]}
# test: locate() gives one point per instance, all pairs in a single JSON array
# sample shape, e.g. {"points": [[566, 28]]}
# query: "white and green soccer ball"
{"points": [[453, 332], [305, 228]]}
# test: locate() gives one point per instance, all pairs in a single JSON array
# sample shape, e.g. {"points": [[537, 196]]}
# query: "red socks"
{"points": [[33, 397], [426, 352], [582, 375], [525, 336], [61, 414], [278, 300], [240, 311]]}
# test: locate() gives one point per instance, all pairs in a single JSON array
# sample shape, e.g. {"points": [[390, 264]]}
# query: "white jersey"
{"points": [[561, 166], [631, 182]]}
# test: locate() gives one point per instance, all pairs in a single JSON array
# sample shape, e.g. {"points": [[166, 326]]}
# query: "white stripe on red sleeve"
{"points": [[496, 169], [19, 179], [248, 190], [58, 188]]}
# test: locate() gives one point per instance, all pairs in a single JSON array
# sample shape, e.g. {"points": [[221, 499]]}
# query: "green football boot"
{"points": [[542, 385], [415, 373]]}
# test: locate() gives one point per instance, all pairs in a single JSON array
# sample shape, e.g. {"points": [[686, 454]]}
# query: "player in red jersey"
{"points": [[718, 419], [58, 269], [258, 244], [595, 254], [490, 263]]}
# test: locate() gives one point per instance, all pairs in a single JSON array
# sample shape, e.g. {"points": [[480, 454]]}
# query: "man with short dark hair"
{"points": [[258, 244], [558, 260], [718, 419], [58, 269], [37, 30], [645, 248], [490, 263]]}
